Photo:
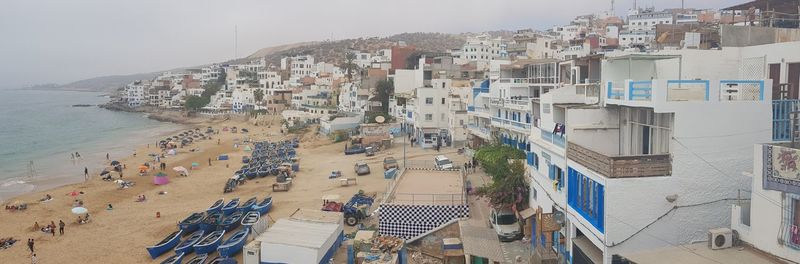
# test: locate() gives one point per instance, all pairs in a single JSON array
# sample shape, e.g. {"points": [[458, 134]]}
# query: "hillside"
{"points": [[98, 84]]}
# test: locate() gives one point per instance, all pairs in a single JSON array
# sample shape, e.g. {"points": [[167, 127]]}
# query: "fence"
{"points": [[781, 122]]}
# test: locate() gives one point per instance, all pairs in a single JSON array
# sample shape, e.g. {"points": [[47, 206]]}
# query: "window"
{"points": [[443, 83], [461, 122], [428, 117], [586, 197], [443, 98], [533, 160], [557, 175], [429, 100]]}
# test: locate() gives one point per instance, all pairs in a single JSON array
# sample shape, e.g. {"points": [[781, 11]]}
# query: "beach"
{"points": [[122, 234]]}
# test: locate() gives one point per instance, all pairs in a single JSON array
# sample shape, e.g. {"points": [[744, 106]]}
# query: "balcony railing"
{"points": [[556, 139], [781, 122], [686, 90], [621, 166]]}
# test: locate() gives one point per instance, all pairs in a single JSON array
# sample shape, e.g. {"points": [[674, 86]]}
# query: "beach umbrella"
{"points": [[143, 167], [195, 164], [179, 169], [79, 210], [161, 174], [73, 193], [114, 163]]}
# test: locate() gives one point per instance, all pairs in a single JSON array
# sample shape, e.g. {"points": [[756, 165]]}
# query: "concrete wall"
{"points": [[742, 36], [405, 81], [595, 128]]}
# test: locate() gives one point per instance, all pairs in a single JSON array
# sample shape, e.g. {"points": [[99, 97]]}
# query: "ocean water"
{"points": [[42, 128]]}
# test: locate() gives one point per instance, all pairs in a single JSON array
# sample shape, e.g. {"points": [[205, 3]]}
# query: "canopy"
{"points": [[79, 210], [195, 164], [160, 180], [171, 152]]}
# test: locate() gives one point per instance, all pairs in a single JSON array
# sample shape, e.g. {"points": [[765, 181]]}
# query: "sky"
{"points": [[57, 41]]}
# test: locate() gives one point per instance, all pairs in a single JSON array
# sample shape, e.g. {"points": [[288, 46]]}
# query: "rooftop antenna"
{"points": [[235, 41], [612, 6]]}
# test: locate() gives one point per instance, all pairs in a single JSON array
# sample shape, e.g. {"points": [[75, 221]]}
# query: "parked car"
{"points": [[443, 163], [389, 162], [505, 224], [361, 168], [369, 151]]}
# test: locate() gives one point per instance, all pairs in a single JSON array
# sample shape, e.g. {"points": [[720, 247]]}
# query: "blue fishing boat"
{"points": [[250, 219], [209, 243], [234, 244], [174, 259], [231, 206], [231, 221], [264, 206], [216, 207], [221, 260], [165, 245], [199, 259], [186, 245], [191, 223], [210, 222], [248, 205]]}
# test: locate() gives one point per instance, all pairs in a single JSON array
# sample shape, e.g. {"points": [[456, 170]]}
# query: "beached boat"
{"points": [[234, 244], [264, 206], [248, 205], [191, 223], [165, 245], [231, 206], [231, 221], [186, 245], [199, 259], [221, 260], [209, 223], [250, 219], [216, 207], [174, 259], [209, 243]]}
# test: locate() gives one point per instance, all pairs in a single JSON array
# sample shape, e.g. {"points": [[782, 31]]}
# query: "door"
{"points": [[775, 76], [794, 80]]}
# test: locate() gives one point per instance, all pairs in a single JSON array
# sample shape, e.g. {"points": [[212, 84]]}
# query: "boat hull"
{"points": [[216, 207], [187, 245], [174, 259], [199, 259], [205, 247], [231, 207], [263, 209], [231, 221], [233, 245], [170, 242], [191, 223]]}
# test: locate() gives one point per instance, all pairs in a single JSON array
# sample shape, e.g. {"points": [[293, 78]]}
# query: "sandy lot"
{"points": [[121, 235]]}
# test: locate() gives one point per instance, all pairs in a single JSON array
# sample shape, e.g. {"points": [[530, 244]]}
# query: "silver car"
{"points": [[361, 168]]}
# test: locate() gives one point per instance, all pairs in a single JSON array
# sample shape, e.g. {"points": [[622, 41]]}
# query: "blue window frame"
{"points": [[556, 174], [586, 197], [533, 160]]}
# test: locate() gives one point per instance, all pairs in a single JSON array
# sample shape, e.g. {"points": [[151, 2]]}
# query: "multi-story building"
{"points": [[430, 113], [299, 66], [647, 19], [482, 49], [636, 162], [642, 37], [135, 94], [352, 98]]}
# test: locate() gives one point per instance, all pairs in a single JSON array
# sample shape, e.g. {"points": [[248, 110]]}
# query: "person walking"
{"points": [[33, 259], [86, 173], [30, 244], [209, 162], [107, 157], [61, 225]]}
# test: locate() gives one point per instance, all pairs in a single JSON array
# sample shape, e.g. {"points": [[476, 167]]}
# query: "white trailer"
{"points": [[307, 236]]}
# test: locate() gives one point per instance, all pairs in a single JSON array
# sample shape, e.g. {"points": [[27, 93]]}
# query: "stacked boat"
{"points": [[264, 206], [267, 158]]}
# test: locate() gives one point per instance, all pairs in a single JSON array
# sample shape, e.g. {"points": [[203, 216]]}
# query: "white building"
{"points": [[300, 66], [482, 49], [457, 118], [209, 74], [629, 38], [135, 94], [242, 99], [647, 20], [430, 113], [352, 98], [405, 81], [639, 162]]}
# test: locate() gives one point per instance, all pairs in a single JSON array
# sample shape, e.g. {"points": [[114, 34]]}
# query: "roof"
{"points": [[480, 241], [643, 57], [517, 64], [700, 253], [299, 233], [788, 6]]}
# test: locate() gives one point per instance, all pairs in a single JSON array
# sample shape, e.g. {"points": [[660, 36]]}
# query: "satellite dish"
{"points": [[380, 119]]}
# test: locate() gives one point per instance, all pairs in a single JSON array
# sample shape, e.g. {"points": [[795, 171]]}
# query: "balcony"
{"points": [[511, 125], [555, 139], [781, 120], [656, 92], [621, 166], [521, 104], [482, 132]]}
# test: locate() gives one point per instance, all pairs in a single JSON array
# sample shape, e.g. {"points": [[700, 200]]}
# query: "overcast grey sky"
{"points": [[62, 41]]}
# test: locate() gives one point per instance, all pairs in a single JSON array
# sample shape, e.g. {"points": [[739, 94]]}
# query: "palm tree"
{"points": [[349, 65], [258, 94]]}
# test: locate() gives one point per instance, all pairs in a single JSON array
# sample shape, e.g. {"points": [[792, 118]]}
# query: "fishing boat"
{"points": [[186, 245], [209, 243], [250, 219], [174, 259], [216, 207], [209, 223], [165, 245], [199, 259], [234, 244], [231, 206], [221, 260], [231, 221], [264, 206], [248, 205], [191, 223]]}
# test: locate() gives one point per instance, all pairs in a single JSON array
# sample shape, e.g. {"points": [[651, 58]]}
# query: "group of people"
{"points": [[51, 228], [471, 166], [141, 198], [7, 242]]}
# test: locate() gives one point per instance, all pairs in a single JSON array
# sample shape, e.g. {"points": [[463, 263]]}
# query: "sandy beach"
{"points": [[121, 235]]}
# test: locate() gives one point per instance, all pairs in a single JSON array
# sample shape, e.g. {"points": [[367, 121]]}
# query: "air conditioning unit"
{"points": [[720, 238]]}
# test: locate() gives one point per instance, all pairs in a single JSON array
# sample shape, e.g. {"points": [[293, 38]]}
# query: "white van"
{"points": [[505, 224], [443, 163]]}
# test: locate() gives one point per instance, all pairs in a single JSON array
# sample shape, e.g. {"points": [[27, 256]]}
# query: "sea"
{"points": [[40, 130]]}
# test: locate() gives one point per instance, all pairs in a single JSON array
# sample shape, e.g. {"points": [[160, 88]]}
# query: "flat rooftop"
{"points": [[429, 187], [700, 253]]}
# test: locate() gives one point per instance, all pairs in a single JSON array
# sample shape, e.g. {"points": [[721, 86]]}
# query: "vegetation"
{"points": [[504, 164], [258, 94], [349, 65], [194, 102], [384, 90]]}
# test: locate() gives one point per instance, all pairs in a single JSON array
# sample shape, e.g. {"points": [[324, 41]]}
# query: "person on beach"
{"points": [[134, 153], [77, 155], [73, 156], [86, 173], [36, 226], [53, 230], [30, 244], [61, 225], [209, 162], [107, 208], [107, 157], [33, 259]]}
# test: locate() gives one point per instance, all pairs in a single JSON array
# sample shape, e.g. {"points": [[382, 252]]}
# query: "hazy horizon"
{"points": [[51, 41]]}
